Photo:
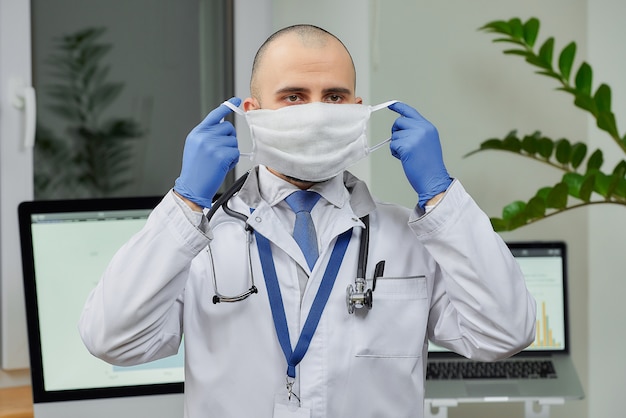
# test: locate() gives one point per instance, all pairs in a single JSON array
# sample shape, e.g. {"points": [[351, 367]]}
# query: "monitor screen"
{"points": [[66, 247]]}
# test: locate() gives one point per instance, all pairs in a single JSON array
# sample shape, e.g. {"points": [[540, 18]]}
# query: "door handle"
{"points": [[23, 97]]}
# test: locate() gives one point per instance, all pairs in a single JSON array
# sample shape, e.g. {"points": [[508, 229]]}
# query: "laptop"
{"points": [[544, 369], [66, 245]]}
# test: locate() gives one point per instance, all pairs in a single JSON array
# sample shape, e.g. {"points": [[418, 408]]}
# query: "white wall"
{"points": [[607, 229], [15, 166]]}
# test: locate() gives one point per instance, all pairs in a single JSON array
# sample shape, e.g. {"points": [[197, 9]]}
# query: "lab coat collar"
{"points": [[340, 189]]}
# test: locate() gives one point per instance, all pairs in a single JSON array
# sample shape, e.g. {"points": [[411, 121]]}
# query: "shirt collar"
{"points": [[339, 190], [273, 189]]}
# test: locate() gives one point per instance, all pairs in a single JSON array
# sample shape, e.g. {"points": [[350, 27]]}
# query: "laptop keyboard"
{"points": [[518, 369]]}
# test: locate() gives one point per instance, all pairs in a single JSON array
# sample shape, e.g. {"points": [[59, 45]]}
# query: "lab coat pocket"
{"points": [[396, 324]]}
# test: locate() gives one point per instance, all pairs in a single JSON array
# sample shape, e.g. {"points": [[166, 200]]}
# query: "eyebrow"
{"points": [[341, 90]]}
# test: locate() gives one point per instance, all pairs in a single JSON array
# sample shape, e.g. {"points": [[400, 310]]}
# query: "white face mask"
{"points": [[312, 142]]}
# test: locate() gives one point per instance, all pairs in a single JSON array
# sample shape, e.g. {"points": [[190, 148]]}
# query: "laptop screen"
{"points": [[544, 267], [66, 246]]}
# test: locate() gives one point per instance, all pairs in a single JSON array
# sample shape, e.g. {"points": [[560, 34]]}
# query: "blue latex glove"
{"points": [[415, 142], [210, 153]]}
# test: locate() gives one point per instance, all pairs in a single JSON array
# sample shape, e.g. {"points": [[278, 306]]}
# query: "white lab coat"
{"points": [[448, 277]]}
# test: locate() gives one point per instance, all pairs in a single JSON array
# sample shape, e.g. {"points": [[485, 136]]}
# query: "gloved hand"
{"points": [[210, 152], [415, 142]]}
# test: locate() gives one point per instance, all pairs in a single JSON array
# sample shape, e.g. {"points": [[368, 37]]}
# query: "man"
{"points": [[293, 348]]}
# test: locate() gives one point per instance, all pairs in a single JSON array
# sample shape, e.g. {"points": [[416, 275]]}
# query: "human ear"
{"points": [[251, 104]]}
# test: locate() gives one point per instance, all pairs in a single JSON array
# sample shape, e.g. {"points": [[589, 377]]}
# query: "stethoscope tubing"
{"points": [[222, 201]]}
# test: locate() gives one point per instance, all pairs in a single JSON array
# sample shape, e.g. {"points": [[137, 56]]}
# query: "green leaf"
{"points": [[563, 151], [566, 60], [595, 161], [574, 182], [586, 103], [65, 112], [531, 30], [584, 78], [557, 198], [567, 89], [498, 26], [499, 225], [512, 143], [91, 55], [550, 73], [517, 52], [545, 147], [529, 143], [602, 184], [518, 221], [536, 61], [513, 209], [618, 182], [510, 40], [491, 144], [536, 208], [620, 168], [546, 51], [620, 190], [587, 187], [614, 181], [606, 122], [579, 150], [603, 98], [104, 95], [517, 29], [544, 192]]}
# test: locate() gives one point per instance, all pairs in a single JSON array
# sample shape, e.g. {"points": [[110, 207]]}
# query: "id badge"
{"points": [[285, 408]]}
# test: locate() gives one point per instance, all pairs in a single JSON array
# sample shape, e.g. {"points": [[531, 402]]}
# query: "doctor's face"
{"points": [[292, 72]]}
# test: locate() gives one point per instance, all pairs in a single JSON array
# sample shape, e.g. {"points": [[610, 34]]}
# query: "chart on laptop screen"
{"points": [[544, 279]]}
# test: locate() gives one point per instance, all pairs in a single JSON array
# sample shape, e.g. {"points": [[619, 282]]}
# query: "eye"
{"points": [[334, 98], [292, 98]]}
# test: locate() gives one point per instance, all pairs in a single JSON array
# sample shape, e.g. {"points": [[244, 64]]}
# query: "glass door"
{"points": [[120, 85]]}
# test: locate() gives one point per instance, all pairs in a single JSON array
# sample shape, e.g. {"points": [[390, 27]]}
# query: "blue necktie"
{"points": [[301, 202]]}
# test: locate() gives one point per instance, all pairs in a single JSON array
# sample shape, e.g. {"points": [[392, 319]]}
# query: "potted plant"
{"points": [[92, 158], [584, 181]]}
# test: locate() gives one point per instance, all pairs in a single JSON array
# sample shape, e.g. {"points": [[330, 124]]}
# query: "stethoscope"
{"points": [[358, 295]]}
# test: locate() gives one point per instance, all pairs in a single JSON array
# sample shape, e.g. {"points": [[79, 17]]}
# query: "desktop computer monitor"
{"points": [[66, 245]]}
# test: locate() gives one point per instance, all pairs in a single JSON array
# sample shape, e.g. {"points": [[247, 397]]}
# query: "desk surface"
{"points": [[16, 402]]}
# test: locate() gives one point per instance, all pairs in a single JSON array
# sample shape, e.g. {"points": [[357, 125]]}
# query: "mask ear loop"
{"points": [[240, 112], [378, 146], [234, 108], [374, 109]]}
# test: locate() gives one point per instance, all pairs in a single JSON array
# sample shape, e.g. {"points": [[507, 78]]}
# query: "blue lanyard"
{"points": [[294, 357]]}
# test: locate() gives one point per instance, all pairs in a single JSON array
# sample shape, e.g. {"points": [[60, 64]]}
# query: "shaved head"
{"points": [[309, 36]]}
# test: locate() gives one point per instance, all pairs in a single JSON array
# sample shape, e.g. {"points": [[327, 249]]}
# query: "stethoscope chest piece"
{"points": [[358, 296]]}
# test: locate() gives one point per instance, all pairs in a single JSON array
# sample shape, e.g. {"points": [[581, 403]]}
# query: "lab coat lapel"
{"points": [[265, 222]]}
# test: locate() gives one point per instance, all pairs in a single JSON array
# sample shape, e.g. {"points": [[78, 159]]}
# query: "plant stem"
{"points": [[598, 202]]}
